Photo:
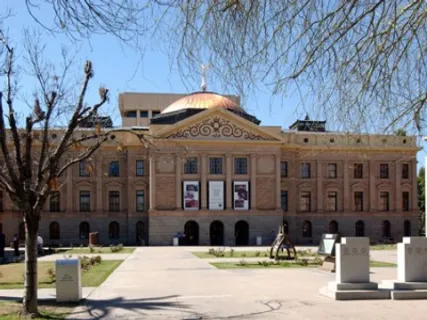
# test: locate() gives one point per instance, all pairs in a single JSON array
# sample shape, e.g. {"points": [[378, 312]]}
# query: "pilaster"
{"points": [[71, 199], [319, 186], [372, 187], [228, 186], [397, 186], [278, 179], [178, 187], [413, 172], [204, 183], [346, 195], [152, 188], [253, 180], [99, 180]]}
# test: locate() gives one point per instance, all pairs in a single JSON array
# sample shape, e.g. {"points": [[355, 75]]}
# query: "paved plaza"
{"points": [[170, 283]]}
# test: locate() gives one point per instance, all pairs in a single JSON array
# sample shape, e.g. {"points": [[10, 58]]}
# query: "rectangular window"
{"points": [[305, 171], [358, 201], [384, 201], [140, 207], [54, 202], [83, 170], [114, 201], [140, 168], [114, 169], [143, 114], [405, 201], [215, 165], [384, 171], [358, 171], [84, 201], [191, 165], [130, 114], [332, 201], [332, 170], [305, 201], [284, 200], [241, 165], [405, 171], [1, 201], [284, 169]]}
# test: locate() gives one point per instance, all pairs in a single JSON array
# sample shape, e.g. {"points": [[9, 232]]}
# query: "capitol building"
{"points": [[212, 172]]}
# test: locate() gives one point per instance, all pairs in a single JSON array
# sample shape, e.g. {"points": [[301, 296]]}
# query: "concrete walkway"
{"points": [[43, 294], [105, 256], [170, 283]]}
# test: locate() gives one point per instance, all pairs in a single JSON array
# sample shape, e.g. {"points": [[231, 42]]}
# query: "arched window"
{"points": [[84, 230], [407, 228], [386, 229], [114, 230], [306, 229], [333, 227], [360, 228], [54, 232]]}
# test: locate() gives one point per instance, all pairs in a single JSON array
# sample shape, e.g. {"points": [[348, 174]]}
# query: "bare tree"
{"points": [[32, 159]]}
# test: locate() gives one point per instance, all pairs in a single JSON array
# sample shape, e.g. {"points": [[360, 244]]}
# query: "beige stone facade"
{"points": [[313, 182]]}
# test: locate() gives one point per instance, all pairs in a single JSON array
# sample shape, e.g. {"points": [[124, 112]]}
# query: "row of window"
{"points": [[359, 228], [191, 165], [84, 201], [113, 169], [332, 170], [142, 113], [332, 201]]}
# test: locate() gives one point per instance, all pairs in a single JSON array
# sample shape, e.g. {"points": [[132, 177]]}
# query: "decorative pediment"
{"points": [[305, 185], [217, 127], [384, 185], [358, 185]]}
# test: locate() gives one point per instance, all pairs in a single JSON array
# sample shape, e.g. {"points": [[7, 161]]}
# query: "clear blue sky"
{"points": [[120, 68]]}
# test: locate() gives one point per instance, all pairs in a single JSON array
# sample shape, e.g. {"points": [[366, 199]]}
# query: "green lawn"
{"points": [[9, 310], [247, 254], [96, 250], [12, 275], [384, 247], [287, 264]]}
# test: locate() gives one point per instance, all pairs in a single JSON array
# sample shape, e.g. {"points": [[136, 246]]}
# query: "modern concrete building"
{"points": [[208, 169]]}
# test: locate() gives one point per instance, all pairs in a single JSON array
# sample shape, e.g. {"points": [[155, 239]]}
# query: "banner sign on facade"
{"points": [[216, 195], [191, 195], [241, 195]]}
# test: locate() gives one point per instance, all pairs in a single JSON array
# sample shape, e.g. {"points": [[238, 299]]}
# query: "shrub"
{"points": [[217, 252], [92, 261], [98, 259], [51, 273], [302, 262], [211, 251], [317, 261], [116, 248], [243, 254], [91, 249], [264, 263], [231, 252], [84, 263], [81, 246], [242, 263], [257, 253]]}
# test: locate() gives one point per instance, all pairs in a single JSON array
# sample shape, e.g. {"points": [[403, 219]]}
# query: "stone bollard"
{"points": [[411, 280], [68, 280], [352, 278]]}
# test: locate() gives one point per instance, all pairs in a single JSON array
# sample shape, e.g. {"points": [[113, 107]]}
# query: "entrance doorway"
{"points": [[140, 233], [217, 233], [241, 233], [191, 231]]}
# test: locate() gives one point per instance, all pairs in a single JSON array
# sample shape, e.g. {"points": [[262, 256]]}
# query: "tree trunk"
{"points": [[30, 287]]}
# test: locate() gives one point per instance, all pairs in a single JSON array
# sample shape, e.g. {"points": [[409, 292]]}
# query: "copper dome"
{"points": [[203, 100]]}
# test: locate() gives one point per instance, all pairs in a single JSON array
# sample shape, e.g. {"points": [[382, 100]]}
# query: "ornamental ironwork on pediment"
{"points": [[217, 128]]}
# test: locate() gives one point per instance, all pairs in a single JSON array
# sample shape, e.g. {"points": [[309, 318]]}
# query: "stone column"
{"points": [[346, 182], [278, 180], [152, 187], [413, 172], [178, 182], [397, 189], [319, 180], [253, 181], [372, 187], [204, 183], [99, 186], [69, 204], [228, 184]]}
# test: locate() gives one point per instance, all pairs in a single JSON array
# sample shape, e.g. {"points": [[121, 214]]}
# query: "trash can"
{"points": [[93, 239], [176, 241], [259, 240], [68, 280]]}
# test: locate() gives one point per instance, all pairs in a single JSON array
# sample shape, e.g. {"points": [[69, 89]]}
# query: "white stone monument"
{"points": [[352, 279], [68, 280], [411, 280]]}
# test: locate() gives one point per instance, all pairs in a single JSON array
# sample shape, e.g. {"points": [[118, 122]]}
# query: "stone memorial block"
{"points": [[412, 260], [352, 260], [68, 280]]}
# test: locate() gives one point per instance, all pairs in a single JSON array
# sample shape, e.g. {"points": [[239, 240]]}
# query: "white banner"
{"points": [[191, 195], [216, 195], [241, 195]]}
